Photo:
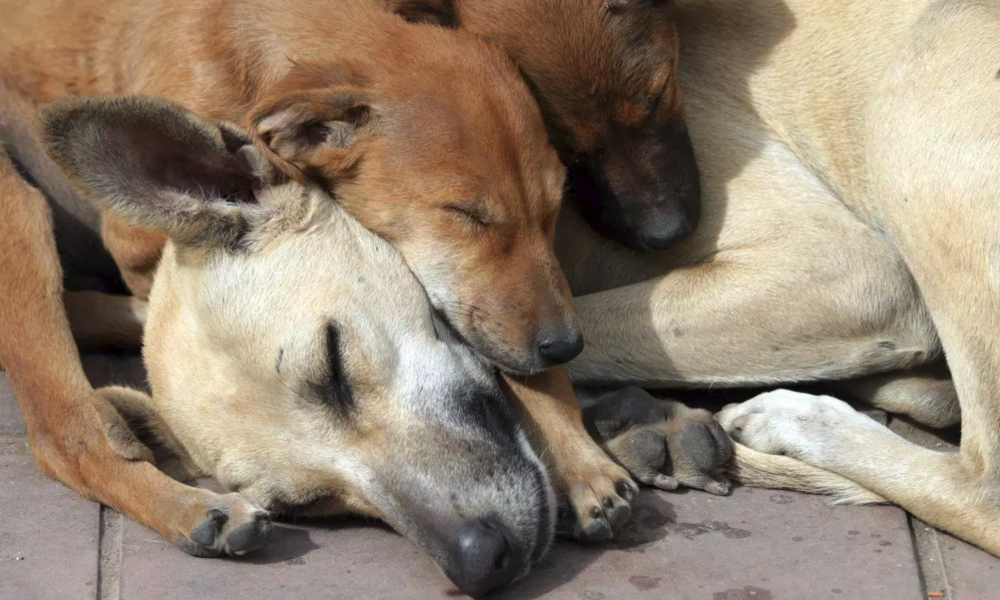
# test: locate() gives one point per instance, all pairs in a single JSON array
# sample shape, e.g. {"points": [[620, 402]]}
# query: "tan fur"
{"points": [[429, 137], [75, 433], [294, 357], [759, 469], [848, 154]]}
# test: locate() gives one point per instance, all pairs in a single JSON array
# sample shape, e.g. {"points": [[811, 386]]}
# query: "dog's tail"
{"points": [[758, 469]]}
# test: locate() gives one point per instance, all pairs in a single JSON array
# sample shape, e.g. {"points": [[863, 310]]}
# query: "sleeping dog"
{"points": [[428, 137], [293, 356]]}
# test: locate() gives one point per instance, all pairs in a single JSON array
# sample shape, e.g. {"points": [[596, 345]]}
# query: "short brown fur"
{"points": [[404, 113]]}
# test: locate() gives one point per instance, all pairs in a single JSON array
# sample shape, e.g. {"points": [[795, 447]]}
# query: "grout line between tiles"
{"points": [[109, 555], [934, 576]]}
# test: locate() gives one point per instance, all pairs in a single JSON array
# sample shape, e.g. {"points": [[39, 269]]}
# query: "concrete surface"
{"points": [[755, 545]]}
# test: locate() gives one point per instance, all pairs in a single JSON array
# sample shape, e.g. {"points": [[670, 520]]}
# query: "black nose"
{"points": [[485, 557], [661, 231], [560, 347]]}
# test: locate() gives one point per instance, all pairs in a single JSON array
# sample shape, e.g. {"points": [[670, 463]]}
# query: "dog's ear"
{"points": [[435, 12], [319, 132], [158, 166]]}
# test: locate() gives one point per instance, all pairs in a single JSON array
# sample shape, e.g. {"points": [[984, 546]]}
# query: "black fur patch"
{"points": [[335, 389]]}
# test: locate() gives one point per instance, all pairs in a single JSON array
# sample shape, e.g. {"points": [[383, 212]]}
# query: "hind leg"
{"points": [[781, 283], [934, 152], [926, 397], [100, 320], [75, 434]]}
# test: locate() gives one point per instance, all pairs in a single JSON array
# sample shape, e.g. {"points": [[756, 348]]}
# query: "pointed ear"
{"points": [[158, 166], [320, 132], [434, 12]]}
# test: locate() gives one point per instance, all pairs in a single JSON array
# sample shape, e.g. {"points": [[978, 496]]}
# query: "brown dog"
{"points": [[605, 75], [428, 137]]}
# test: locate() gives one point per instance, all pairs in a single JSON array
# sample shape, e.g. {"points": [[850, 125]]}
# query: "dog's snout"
{"points": [[486, 559], [644, 191], [557, 346], [661, 230]]}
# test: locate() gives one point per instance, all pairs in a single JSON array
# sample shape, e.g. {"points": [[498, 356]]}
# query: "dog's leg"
{"points": [[742, 324], [924, 396], [933, 156], [951, 491], [661, 443], [136, 251], [100, 320], [596, 489], [75, 434]]}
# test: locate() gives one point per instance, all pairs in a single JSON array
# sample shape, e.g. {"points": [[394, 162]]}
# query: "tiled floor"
{"points": [[755, 545]]}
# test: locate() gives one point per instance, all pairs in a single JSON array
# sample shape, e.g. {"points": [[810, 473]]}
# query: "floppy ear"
{"points": [[320, 132], [157, 165], [435, 12]]}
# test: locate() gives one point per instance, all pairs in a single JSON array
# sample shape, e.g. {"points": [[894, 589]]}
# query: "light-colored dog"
{"points": [[295, 358], [428, 137], [848, 154]]}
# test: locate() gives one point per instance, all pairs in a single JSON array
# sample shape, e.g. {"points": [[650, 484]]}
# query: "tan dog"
{"points": [[847, 155], [428, 137], [604, 74], [296, 359]]}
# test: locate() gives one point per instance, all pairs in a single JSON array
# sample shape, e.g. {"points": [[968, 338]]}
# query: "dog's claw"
{"points": [[599, 493], [233, 526]]}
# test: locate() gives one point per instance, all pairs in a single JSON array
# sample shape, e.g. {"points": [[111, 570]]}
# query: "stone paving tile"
{"points": [[48, 536], [755, 545], [11, 421], [972, 573], [951, 567], [319, 561]]}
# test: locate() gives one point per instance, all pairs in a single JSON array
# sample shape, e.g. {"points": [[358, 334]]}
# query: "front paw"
{"points": [[599, 496], [662, 443]]}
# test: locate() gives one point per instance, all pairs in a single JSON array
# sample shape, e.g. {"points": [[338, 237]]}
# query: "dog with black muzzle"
{"points": [[428, 137], [605, 76], [295, 358]]}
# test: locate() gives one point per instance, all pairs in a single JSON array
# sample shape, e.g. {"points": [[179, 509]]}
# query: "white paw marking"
{"points": [[803, 426]]}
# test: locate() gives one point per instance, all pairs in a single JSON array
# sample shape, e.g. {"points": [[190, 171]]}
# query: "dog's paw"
{"points": [[228, 526], [794, 424], [599, 493], [662, 443]]}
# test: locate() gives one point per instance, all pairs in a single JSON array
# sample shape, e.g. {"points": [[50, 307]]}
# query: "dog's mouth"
{"points": [[480, 551], [468, 489], [446, 330]]}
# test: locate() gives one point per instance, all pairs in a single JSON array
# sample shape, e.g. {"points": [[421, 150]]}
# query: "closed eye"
{"points": [[334, 388], [469, 212]]}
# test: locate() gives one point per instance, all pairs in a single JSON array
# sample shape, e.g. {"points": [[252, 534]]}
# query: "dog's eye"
{"points": [[334, 389], [469, 212]]}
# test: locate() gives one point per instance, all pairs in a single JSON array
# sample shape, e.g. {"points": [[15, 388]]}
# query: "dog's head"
{"points": [[296, 357], [435, 143], [605, 75]]}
